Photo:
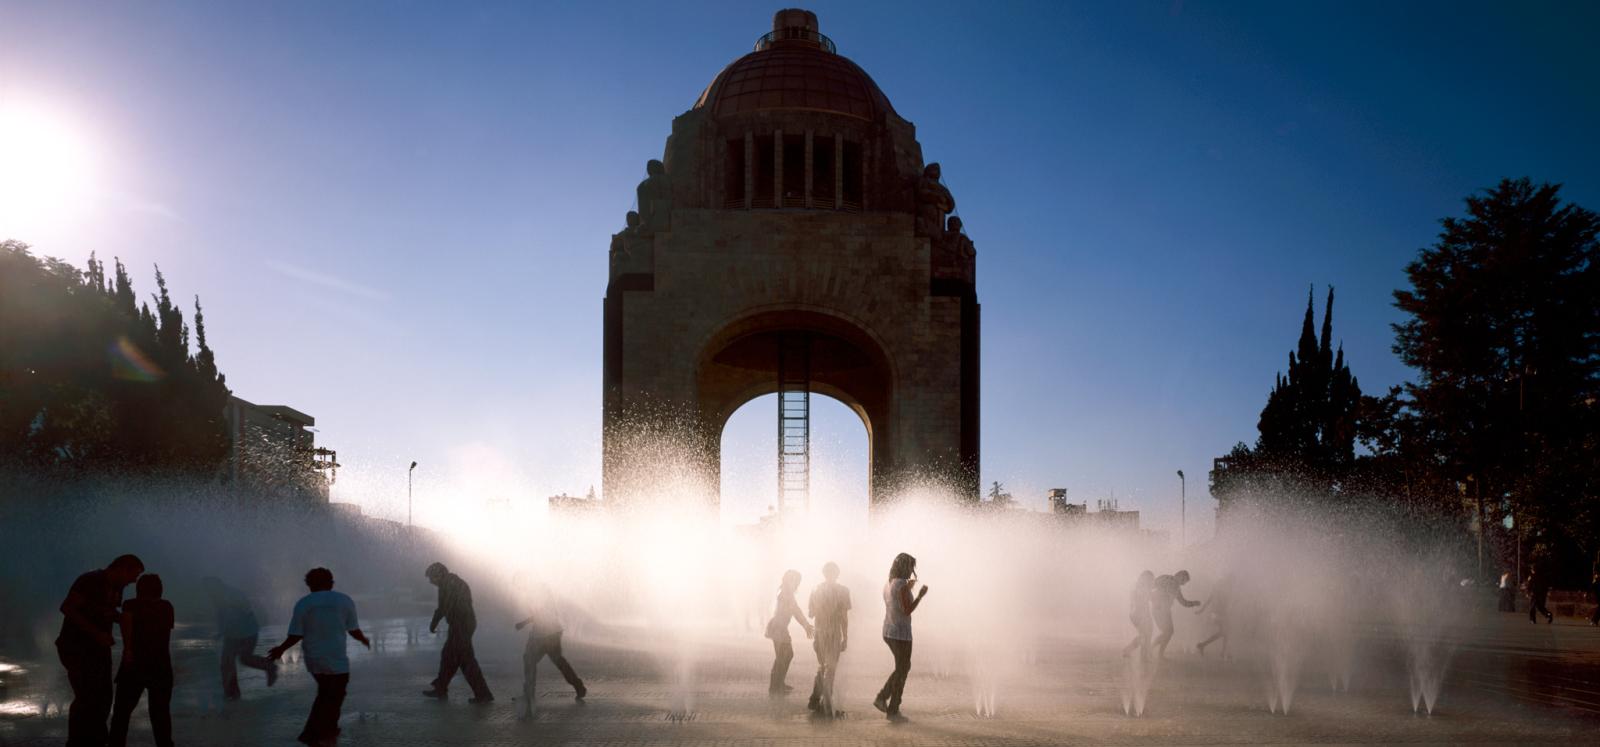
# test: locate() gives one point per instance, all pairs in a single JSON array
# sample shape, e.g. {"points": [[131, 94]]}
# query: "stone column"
{"points": [[749, 168], [777, 168], [808, 168], [838, 171]]}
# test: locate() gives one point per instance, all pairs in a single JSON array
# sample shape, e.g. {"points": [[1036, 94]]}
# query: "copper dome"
{"points": [[794, 67]]}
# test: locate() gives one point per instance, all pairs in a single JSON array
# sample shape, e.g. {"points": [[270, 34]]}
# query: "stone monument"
{"points": [[791, 238]]}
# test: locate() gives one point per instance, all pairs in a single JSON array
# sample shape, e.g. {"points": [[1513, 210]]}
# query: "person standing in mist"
{"points": [[146, 663], [84, 646], [778, 630], [239, 632], [321, 620], [1594, 593], [898, 604], [455, 608], [1508, 593], [1538, 592], [1139, 615], [830, 613], [1168, 589], [544, 639], [1217, 604]]}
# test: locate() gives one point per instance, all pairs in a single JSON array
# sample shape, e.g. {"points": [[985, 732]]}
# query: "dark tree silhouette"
{"points": [[1310, 415], [91, 383], [1504, 331], [1307, 430]]}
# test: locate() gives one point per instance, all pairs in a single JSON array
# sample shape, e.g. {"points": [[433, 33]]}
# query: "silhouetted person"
{"points": [[1508, 593], [785, 610], [85, 642], [830, 614], [898, 604], [1538, 592], [320, 622], [237, 632], [146, 662], [1168, 589], [1217, 604], [455, 608], [544, 639], [1139, 614], [1594, 593]]}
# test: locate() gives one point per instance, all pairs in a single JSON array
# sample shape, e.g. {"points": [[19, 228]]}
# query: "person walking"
{"points": [[146, 663], [84, 646], [455, 608], [1538, 593], [1167, 589], [1594, 594], [320, 622], [544, 639], [1508, 593], [898, 604], [778, 630], [238, 633], [829, 607], [1217, 604], [1139, 615]]}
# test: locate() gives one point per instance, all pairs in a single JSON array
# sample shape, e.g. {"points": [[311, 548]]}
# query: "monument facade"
{"points": [[791, 239]]}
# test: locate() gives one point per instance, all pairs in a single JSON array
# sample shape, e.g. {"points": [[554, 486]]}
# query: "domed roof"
{"points": [[794, 67]]}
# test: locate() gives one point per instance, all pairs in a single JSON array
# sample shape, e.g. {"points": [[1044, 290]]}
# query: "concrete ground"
{"points": [[1505, 681]]}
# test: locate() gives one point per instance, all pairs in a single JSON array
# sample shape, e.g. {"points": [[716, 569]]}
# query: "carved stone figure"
{"points": [[655, 198], [933, 203], [956, 243], [620, 239]]}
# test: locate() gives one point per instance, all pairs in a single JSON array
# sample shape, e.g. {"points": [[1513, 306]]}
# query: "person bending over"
{"points": [[1167, 589]]}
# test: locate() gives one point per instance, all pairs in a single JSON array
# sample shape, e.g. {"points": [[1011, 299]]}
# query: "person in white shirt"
{"points": [[898, 604], [320, 622]]}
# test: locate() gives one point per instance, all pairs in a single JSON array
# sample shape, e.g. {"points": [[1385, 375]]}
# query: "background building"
{"points": [[272, 449]]}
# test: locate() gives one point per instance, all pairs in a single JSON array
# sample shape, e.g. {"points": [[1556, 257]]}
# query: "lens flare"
{"points": [[129, 363]]}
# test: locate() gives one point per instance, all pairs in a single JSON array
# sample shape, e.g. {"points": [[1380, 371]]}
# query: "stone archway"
{"points": [[739, 363], [791, 199]]}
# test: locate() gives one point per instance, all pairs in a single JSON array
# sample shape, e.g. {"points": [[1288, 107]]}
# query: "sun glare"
{"points": [[46, 169]]}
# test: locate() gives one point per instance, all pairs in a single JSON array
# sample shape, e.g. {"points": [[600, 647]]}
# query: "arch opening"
{"points": [[840, 365], [839, 479]]}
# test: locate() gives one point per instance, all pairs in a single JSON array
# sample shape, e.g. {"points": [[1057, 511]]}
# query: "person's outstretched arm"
{"points": [[525, 622], [297, 626], [348, 609], [276, 652], [1177, 593], [794, 611]]}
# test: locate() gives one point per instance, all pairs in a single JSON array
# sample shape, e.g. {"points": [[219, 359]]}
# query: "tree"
{"points": [[90, 383], [1309, 419], [1504, 332], [1307, 430]]}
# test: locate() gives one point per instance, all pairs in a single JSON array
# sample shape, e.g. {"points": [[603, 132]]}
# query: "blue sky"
{"points": [[397, 213]]}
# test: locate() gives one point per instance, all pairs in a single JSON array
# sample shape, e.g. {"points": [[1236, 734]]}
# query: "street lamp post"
{"points": [[1183, 511], [408, 493]]}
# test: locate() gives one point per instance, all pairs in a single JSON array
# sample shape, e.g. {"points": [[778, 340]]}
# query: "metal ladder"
{"points": [[794, 424]]}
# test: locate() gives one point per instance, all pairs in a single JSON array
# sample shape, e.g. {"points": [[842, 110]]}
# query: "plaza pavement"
{"points": [[1508, 681]]}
